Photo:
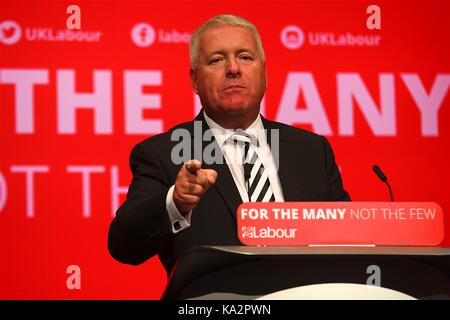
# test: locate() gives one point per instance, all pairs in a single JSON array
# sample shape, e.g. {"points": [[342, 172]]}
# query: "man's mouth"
{"points": [[234, 87]]}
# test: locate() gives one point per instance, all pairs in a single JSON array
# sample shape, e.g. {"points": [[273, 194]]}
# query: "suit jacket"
{"points": [[142, 228]]}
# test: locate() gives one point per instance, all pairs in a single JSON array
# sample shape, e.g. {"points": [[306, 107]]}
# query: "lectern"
{"points": [[243, 272]]}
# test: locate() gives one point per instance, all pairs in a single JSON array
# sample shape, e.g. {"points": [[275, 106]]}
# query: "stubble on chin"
{"points": [[235, 111]]}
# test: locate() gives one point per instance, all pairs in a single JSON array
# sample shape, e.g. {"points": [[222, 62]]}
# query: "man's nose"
{"points": [[233, 69]]}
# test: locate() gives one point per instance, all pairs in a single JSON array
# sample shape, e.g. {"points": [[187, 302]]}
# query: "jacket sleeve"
{"points": [[141, 227], [334, 176]]}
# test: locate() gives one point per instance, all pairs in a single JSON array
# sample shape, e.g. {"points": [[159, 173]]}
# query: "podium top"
{"points": [[333, 250], [239, 269]]}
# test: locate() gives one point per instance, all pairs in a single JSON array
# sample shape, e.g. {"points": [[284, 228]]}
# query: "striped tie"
{"points": [[257, 181]]}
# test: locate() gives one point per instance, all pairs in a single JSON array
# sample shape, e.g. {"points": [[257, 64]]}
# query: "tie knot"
{"points": [[243, 137]]}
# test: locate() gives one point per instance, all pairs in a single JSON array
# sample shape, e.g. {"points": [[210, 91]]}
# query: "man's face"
{"points": [[229, 76]]}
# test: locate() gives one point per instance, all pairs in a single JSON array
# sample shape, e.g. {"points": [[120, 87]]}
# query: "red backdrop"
{"points": [[74, 103]]}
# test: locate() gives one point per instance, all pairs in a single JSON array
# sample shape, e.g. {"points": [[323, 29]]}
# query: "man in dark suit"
{"points": [[174, 205]]}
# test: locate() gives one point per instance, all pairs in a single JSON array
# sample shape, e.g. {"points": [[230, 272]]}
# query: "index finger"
{"points": [[193, 166]]}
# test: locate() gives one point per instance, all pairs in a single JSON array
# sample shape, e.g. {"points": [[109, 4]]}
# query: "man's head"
{"points": [[228, 70]]}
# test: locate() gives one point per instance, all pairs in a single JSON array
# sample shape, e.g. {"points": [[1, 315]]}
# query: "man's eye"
{"points": [[215, 60], [247, 58]]}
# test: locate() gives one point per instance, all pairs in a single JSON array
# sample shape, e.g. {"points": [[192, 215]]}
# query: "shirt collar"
{"points": [[221, 134]]}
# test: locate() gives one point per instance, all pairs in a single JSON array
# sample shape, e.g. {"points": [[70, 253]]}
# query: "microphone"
{"points": [[383, 178]]}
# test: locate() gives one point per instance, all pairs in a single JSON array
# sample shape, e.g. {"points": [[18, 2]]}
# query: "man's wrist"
{"points": [[179, 220]]}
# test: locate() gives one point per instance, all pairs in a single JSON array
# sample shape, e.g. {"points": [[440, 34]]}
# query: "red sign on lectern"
{"points": [[353, 223]]}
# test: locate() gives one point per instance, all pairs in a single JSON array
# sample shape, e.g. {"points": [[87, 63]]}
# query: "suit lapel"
{"points": [[287, 171], [224, 185]]}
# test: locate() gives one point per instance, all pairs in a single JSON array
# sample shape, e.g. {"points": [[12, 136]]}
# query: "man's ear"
{"points": [[193, 76]]}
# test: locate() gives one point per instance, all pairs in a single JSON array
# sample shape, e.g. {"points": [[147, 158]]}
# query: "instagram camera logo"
{"points": [[10, 32], [143, 35], [292, 37]]}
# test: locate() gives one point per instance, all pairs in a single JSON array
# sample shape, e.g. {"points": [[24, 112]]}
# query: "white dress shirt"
{"points": [[233, 154]]}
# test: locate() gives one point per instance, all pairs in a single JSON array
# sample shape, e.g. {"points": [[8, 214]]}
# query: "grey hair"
{"points": [[222, 20]]}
